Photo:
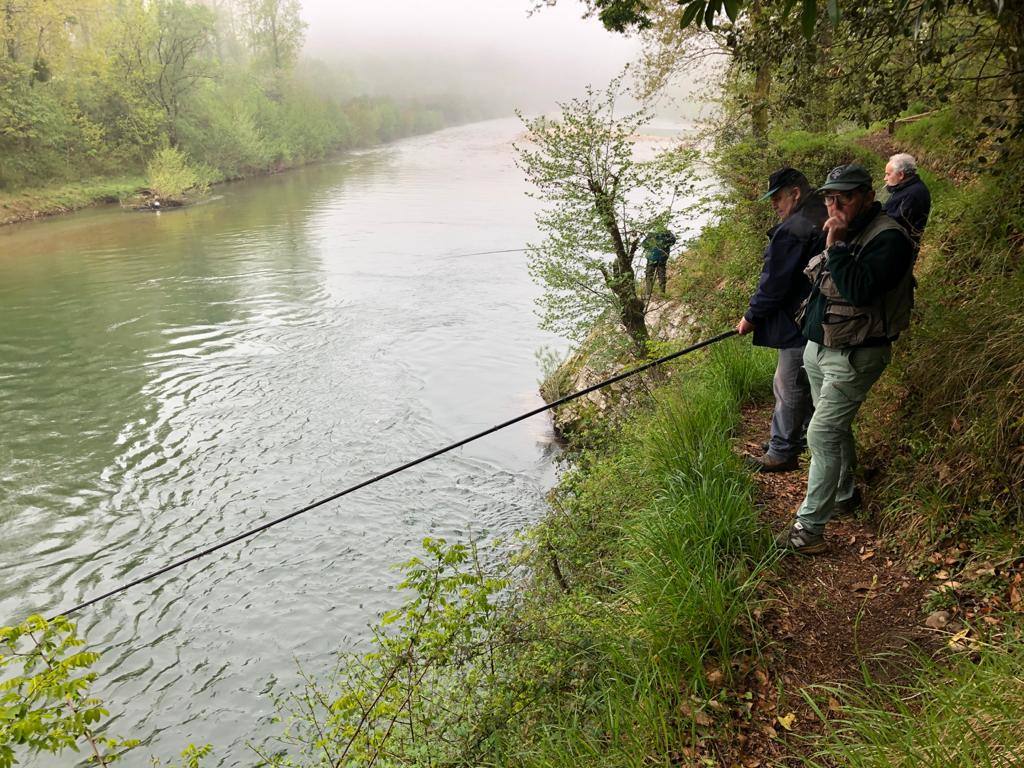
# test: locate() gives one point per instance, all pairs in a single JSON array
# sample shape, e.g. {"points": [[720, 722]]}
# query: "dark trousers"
{"points": [[655, 269], [793, 406]]}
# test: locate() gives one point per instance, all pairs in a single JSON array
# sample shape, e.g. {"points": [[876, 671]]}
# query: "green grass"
{"points": [[961, 716], [659, 541], [61, 198]]}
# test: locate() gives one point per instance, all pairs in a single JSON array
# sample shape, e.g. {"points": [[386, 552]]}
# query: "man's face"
{"points": [[892, 176], [846, 205], [785, 201]]}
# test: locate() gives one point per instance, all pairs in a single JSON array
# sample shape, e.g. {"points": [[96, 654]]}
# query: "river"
{"points": [[168, 380]]}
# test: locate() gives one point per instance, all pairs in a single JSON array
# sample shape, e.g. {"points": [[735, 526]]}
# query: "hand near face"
{"points": [[835, 228]]}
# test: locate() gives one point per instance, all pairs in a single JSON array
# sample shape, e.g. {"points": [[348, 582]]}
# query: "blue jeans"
{"points": [[792, 406]]}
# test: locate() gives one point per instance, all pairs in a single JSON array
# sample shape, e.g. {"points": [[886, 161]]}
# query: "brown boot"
{"points": [[767, 464]]}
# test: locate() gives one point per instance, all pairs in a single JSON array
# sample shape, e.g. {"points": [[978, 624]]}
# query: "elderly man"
{"points": [[909, 201], [861, 296], [772, 311]]}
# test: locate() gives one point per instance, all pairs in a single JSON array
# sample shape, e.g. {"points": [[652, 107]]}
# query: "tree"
{"points": [[165, 52], [275, 31], [600, 201], [951, 37]]}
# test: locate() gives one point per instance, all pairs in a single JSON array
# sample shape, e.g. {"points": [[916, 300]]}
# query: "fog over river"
{"points": [[167, 380]]}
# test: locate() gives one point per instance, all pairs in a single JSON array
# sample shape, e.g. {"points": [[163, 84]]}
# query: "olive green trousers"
{"points": [[840, 380]]}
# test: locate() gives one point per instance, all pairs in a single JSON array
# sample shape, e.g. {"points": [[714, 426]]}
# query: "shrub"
{"points": [[169, 175]]}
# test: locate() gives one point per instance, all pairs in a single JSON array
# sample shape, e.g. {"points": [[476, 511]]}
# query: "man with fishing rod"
{"points": [[773, 307]]}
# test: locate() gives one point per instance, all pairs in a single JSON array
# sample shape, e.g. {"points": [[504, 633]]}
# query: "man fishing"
{"points": [[773, 307]]}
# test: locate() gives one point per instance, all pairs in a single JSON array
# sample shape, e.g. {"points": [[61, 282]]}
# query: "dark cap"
{"points": [[784, 177], [846, 178]]}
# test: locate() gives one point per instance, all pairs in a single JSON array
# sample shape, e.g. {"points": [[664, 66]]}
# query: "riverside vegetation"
{"points": [[622, 631], [100, 99]]}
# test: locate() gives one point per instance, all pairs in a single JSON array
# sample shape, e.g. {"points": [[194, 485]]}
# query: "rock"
{"points": [[937, 620]]}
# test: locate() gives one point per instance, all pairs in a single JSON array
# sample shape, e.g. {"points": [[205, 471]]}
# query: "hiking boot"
{"points": [[847, 506], [767, 464], [795, 538]]}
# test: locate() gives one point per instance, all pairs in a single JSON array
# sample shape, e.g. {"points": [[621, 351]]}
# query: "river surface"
{"points": [[168, 380]]}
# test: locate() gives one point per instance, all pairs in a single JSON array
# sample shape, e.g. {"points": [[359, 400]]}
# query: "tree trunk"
{"points": [[759, 108], [622, 280]]}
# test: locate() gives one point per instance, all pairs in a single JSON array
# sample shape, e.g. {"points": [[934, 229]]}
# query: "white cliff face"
{"points": [[667, 320]]}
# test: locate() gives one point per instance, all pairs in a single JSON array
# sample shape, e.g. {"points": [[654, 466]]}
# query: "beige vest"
{"points": [[848, 325]]}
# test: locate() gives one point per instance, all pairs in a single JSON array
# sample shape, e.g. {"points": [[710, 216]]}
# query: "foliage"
{"points": [[600, 201], [416, 696], [169, 175], [98, 87], [968, 715], [44, 693]]}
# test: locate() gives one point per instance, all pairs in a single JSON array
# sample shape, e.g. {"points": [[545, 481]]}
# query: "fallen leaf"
{"points": [[956, 642], [701, 718], [941, 575], [1016, 598], [834, 705], [787, 720], [937, 620], [715, 677], [867, 555]]}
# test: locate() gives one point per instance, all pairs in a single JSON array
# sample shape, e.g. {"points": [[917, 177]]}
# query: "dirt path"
{"points": [[823, 617]]}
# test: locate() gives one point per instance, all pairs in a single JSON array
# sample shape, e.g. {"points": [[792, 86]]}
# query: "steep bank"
{"points": [[937, 563]]}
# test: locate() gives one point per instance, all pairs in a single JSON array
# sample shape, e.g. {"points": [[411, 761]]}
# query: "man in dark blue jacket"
{"points": [[909, 201], [783, 286]]}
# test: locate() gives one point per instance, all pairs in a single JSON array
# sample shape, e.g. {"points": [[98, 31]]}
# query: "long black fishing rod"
{"points": [[394, 471]]}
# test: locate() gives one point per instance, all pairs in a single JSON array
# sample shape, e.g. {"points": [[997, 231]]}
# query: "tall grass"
{"points": [[665, 549], [960, 717], [640, 583]]}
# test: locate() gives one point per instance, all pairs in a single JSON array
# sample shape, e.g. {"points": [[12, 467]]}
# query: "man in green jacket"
{"points": [[861, 296]]}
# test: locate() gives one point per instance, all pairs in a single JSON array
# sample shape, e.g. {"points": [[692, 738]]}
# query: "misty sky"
{"points": [[471, 45]]}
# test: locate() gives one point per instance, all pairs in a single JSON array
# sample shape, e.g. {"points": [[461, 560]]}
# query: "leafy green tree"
{"points": [[600, 201], [166, 50], [275, 31], [45, 704]]}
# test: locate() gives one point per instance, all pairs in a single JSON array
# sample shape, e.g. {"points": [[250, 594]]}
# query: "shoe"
{"points": [[767, 464], [796, 539], [848, 506]]}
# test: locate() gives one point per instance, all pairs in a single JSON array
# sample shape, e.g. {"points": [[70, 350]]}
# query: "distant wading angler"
{"points": [[909, 201], [860, 301], [772, 312]]}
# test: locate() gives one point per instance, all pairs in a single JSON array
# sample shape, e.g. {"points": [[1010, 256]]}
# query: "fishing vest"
{"points": [[848, 325]]}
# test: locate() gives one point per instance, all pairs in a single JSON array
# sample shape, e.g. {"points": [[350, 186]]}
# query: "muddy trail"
{"points": [[823, 620]]}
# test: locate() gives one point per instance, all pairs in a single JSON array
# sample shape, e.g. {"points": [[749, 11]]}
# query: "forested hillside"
{"points": [[92, 91]]}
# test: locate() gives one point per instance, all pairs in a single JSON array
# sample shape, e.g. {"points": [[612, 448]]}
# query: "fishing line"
{"points": [[393, 471]]}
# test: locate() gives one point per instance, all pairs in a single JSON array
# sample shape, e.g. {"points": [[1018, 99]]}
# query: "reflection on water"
{"points": [[167, 380]]}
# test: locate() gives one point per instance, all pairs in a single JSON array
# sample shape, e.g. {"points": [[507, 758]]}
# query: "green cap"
{"points": [[846, 178]]}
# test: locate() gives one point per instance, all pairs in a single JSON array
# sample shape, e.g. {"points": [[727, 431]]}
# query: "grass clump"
{"points": [[961, 716]]}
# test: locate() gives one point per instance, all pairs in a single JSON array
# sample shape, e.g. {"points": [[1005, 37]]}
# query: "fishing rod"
{"points": [[393, 471]]}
